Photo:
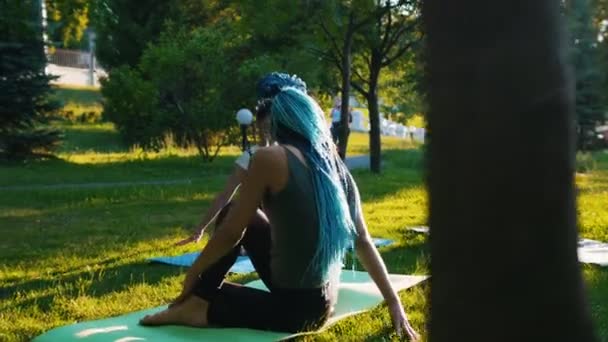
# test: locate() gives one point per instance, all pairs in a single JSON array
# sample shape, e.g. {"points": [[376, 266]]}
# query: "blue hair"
{"points": [[298, 120], [270, 85]]}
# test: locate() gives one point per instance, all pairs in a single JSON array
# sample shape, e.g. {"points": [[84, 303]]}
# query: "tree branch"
{"points": [[328, 56], [331, 38], [397, 36], [360, 89], [361, 78], [387, 31], [388, 60]]}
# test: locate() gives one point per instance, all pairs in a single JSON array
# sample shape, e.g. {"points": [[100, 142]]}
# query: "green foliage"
{"points": [[68, 20], [124, 28], [281, 35], [185, 86], [24, 87], [131, 104], [589, 79]]}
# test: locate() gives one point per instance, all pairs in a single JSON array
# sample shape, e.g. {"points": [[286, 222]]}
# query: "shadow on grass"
{"points": [[90, 283], [80, 282]]}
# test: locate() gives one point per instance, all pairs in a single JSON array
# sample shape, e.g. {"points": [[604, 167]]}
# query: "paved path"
{"points": [[357, 162]]}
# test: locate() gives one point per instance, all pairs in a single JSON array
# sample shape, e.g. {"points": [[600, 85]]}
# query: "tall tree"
{"points": [[124, 28], [393, 34], [278, 34], [585, 55], [502, 208], [340, 21], [25, 104], [600, 21]]}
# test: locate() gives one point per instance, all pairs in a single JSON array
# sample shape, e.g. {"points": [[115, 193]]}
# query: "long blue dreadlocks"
{"points": [[297, 119]]}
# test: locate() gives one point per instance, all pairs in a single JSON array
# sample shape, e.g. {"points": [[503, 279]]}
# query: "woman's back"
{"points": [[294, 223]]}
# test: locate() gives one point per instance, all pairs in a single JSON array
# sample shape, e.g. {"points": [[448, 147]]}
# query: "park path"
{"points": [[356, 162]]}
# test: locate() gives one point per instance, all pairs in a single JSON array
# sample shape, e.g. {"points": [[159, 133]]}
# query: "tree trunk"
{"points": [[39, 10], [345, 113], [501, 162], [374, 115]]}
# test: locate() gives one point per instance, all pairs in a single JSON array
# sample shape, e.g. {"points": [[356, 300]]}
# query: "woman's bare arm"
{"points": [[221, 199], [259, 177], [372, 262], [370, 258]]}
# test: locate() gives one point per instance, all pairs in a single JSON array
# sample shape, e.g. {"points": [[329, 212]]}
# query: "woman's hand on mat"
{"points": [[191, 239], [401, 323], [194, 238]]}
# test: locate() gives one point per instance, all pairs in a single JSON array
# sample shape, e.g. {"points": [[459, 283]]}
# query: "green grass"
{"points": [[84, 96], [80, 104], [74, 253]]}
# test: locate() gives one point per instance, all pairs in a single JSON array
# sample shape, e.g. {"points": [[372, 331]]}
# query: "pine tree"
{"points": [[25, 104]]}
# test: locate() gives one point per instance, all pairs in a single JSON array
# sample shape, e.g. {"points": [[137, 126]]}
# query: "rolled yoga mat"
{"points": [[358, 293]]}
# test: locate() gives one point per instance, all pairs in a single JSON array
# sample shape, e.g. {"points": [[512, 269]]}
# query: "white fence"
{"points": [[387, 128], [73, 67], [71, 58]]}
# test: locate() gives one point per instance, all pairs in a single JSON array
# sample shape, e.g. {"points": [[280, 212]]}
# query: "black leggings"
{"points": [[235, 305]]}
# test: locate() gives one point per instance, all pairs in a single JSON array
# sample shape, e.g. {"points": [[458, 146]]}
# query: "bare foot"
{"points": [[191, 312]]}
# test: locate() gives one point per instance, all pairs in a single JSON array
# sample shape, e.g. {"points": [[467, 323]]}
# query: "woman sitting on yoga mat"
{"points": [[312, 215], [262, 122]]}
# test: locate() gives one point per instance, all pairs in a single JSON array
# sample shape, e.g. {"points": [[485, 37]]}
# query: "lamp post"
{"points": [[244, 117]]}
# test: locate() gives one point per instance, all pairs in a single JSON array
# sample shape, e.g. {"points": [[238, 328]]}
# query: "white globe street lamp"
{"points": [[244, 117]]}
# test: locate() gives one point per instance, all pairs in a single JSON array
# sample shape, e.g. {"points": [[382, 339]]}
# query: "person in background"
{"points": [[336, 121]]}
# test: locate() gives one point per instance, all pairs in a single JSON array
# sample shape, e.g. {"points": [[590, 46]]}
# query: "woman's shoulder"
{"points": [[267, 153]]}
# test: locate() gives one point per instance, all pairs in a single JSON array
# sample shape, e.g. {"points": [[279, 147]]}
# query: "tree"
{"points": [[125, 28], [394, 33], [70, 19], [502, 208], [340, 21], [279, 38], [600, 8], [25, 104], [585, 53], [157, 99], [401, 88]]}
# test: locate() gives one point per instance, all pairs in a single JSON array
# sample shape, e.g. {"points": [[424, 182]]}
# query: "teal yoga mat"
{"points": [[358, 293], [242, 265]]}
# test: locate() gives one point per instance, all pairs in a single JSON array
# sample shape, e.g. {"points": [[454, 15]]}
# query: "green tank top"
{"points": [[294, 228]]}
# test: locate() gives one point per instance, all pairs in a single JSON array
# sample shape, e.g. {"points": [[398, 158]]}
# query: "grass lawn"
{"points": [[77, 253]]}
